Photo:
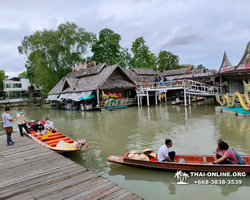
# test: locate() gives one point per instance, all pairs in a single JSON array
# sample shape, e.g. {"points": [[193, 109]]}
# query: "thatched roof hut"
{"points": [[174, 72], [142, 75], [99, 77]]}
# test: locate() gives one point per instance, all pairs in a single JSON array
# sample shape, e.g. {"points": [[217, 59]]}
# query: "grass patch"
{"points": [[47, 105]]}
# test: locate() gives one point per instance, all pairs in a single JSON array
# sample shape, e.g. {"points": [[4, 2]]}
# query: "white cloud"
{"points": [[197, 31]]}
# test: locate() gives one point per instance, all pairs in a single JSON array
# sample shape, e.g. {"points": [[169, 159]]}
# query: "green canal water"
{"points": [[193, 129]]}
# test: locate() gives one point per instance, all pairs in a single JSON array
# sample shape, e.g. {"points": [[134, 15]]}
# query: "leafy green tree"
{"points": [[167, 60], [200, 66], [23, 75], [52, 53], [143, 58], [107, 48], [2, 78], [126, 59]]}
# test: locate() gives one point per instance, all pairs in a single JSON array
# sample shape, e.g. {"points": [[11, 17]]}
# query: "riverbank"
{"points": [[31, 171]]}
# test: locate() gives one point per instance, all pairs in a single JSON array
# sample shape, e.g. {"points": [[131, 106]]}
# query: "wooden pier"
{"points": [[31, 171], [189, 87]]}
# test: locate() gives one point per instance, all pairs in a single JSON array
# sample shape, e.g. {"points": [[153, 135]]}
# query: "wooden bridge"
{"points": [[31, 171], [189, 87]]}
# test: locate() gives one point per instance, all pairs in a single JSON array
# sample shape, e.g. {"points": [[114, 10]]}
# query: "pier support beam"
{"points": [[97, 97], [141, 101], [189, 99], [156, 101], [138, 101], [166, 97], [185, 97], [147, 99], [221, 84]]}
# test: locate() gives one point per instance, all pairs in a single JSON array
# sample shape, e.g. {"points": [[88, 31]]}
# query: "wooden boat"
{"points": [[192, 100], [58, 142], [185, 163]]}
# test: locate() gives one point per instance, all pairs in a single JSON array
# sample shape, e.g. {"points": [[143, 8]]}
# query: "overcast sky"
{"points": [[198, 31]]}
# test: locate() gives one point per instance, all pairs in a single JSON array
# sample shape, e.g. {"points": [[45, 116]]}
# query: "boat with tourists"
{"points": [[195, 99], [58, 141], [183, 162]]}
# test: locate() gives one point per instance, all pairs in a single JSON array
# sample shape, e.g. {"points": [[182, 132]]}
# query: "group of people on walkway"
{"points": [[223, 153], [40, 126]]}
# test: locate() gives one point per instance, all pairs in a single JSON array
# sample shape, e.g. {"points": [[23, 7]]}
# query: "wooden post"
{"points": [[185, 97], [156, 101], [166, 97], [141, 101], [221, 86], [189, 101], [98, 100], [147, 99], [138, 101]]}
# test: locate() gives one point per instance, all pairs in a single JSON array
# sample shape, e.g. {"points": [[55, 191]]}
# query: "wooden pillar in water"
{"points": [[141, 101], [166, 97], [189, 99], [138, 101], [221, 82], [147, 99]]}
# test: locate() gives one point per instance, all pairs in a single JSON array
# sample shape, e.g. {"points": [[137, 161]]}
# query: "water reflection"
{"points": [[165, 179], [193, 129]]}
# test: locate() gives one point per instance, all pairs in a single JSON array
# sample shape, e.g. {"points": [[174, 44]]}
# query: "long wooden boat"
{"points": [[192, 100], [58, 142], [185, 163]]}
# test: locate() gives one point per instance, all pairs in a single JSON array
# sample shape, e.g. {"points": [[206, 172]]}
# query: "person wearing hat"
{"points": [[163, 154], [21, 121], [7, 121]]}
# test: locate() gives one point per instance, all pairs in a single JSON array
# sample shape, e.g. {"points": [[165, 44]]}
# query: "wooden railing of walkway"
{"points": [[31, 171]]}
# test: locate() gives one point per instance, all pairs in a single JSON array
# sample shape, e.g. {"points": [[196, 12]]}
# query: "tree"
{"points": [[2, 78], [126, 59], [143, 58], [200, 66], [23, 75], [52, 53], [167, 60], [107, 48]]}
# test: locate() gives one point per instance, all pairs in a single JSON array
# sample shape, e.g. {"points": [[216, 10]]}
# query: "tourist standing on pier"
{"points": [[7, 121], [21, 121]]}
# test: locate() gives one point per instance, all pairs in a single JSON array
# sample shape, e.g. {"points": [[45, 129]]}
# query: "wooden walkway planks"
{"points": [[31, 171]]}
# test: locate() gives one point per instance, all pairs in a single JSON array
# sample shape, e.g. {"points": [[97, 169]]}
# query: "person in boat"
{"points": [[39, 128], [50, 125], [227, 156], [164, 155], [32, 124], [218, 152], [21, 121]]}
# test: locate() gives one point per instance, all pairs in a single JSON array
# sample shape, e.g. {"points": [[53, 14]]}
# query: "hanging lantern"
{"points": [[145, 84], [137, 85]]}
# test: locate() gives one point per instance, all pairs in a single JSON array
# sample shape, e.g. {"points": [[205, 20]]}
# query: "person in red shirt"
{"points": [[227, 156]]}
